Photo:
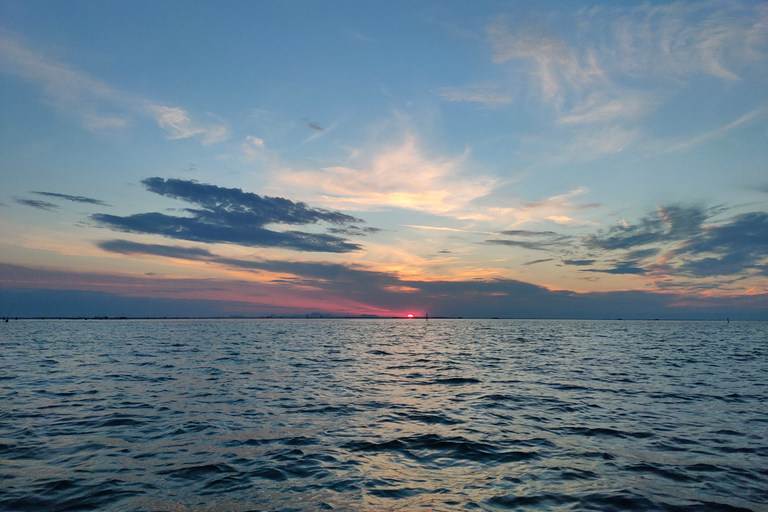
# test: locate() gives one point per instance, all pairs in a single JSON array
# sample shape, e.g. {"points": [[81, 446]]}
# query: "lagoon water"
{"points": [[330, 414]]}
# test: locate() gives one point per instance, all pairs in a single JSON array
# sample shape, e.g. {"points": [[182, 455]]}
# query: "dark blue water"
{"points": [[383, 415]]}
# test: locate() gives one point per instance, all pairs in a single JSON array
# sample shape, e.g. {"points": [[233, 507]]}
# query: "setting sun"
{"points": [[410, 315]]}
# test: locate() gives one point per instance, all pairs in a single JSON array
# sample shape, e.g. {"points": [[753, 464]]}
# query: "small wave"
{"points": [[454, 447], [457, 381], [667, 473], [269, 474], [607, 432], [198, 472], [428, 418], [513, 502]]}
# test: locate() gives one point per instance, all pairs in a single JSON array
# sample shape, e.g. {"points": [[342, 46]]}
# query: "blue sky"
{"points": [[566, 159]]}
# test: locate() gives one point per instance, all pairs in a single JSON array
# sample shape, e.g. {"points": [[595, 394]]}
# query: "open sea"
{"points": [[380, 415]]}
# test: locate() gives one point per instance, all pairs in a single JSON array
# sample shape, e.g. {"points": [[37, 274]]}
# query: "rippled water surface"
{"points": [[383, 415]]}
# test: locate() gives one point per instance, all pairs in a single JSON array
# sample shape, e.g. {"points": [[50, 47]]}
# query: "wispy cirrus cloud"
{"points": [[556, 65], [562, 209], [99, 105], [668, 42], [692, 142], [177, 123], [488, 95], [229, 215], [683, 39], [642, 56]]}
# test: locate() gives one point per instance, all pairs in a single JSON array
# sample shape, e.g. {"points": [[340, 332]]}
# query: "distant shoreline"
{"points": [[332, 317]]}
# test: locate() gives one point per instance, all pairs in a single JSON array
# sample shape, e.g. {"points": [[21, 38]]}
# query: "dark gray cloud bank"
{"points": [[229, 215], [674, 243], [499, 297], [26, 292]]}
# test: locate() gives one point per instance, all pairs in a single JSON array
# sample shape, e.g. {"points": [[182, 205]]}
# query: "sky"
{"points": [[477, 159]]}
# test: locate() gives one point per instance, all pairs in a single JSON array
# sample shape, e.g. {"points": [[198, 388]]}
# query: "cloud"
{"points": [[579, 263], [354, 231], [167, 251], [670, 223], [254, 141], [534, 262], [680, 40], [557, 65], [593, 87], [229, 215], [99, 105], [683, 245], [75, 199], [624, 267], [485, 94], [255, 148], [360, 36], [599, 109], [560, 209], [441, 228], [353, 290], [397, 176], [712, 134], [534, 240], [673, 41], [730, 249], [387, 291], [329, 276], [176, 121], [40, 205]]}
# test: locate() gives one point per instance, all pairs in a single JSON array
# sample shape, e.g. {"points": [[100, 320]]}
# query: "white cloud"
{"points": [[671, 42], [680, 40], [599, 109], [93, 100], [452, 230], [255, 141], [692, 142], [255, 148], [584, 75], [400, 175], [486, 94], [557, 65], [565, 220], [561, 209]]}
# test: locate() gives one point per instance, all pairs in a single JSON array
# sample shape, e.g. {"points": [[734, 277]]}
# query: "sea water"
{"points": [[331, 414]]}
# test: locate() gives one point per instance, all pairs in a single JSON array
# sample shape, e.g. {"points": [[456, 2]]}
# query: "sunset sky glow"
{"points": [[509, 159]]}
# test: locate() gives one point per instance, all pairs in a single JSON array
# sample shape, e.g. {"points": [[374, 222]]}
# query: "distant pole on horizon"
{"points": [[426, 317]]}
